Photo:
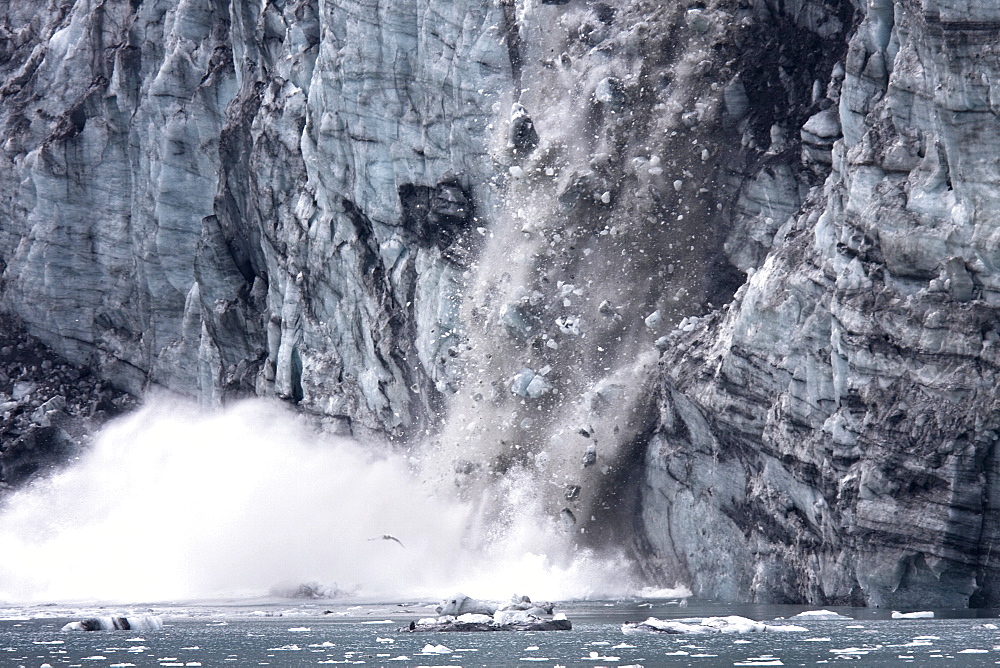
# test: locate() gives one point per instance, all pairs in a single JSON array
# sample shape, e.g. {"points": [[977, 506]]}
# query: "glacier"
{"points": [[715, 280]]}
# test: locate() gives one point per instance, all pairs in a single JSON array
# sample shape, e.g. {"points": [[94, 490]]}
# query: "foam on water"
{"points": [[174, 503]]}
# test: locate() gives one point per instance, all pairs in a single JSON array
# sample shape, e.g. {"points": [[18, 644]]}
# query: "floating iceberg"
{"points": [[731, 624], [138, 623], [462, 613], [502, 620], [821, 615], [925, 614]]}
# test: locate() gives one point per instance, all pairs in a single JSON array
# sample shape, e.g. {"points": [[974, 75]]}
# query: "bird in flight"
{"points": [[387, 536]]}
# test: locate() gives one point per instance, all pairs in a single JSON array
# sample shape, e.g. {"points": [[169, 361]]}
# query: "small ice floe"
{"points": [[820, 615], [377, 622], [730, 624], [917, 642], [992, 627], [435, 649], [766, 660], [137, 623], [300, 629], [924, 614], [973, 651], [595, 656], [851, 651]]}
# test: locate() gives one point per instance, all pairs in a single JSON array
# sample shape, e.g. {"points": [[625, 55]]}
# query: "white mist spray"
{"points": [[173, 503]]}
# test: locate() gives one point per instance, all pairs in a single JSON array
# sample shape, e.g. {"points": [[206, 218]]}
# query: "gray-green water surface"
{"points": [[321, 633]]}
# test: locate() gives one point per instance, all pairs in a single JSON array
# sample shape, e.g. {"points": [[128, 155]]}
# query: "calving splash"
{"points": [[173, 503]]}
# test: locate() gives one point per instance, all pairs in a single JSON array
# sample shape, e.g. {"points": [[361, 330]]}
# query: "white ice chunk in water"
{"points": [[435, 649], [923, 614], [729, 624], [824, 615]]}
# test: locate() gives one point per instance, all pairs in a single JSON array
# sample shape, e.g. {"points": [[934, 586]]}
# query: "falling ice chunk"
{"points": [[653, 319], [606, 197], [678, 184], [529, 384], [569, 325], [516, 171]]}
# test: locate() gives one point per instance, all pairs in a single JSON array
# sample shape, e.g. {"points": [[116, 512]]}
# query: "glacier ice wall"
{"points": [[837, 421], [230, 198], [519, 232]]}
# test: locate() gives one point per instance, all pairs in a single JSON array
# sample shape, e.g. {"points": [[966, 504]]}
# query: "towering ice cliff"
{"points": [[516, 235], [838, 420], [231, 198]]}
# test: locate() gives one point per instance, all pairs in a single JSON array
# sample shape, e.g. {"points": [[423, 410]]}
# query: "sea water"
{"points": [[280, 633]]}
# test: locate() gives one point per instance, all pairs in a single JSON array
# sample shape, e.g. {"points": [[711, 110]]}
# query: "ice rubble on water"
{"points": [[730, 624]]}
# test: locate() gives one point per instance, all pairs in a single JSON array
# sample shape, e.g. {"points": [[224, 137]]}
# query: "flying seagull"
{"points": [[388, 537]]}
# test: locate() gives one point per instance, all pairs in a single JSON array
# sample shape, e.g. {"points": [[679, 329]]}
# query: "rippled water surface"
{"points": [[342, 634]]}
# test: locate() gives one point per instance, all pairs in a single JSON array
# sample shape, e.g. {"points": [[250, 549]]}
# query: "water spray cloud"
{"points": [[173, 503]]}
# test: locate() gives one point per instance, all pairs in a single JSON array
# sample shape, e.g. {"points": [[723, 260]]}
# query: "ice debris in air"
{"points": [[530, 384], [730, 624]]}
